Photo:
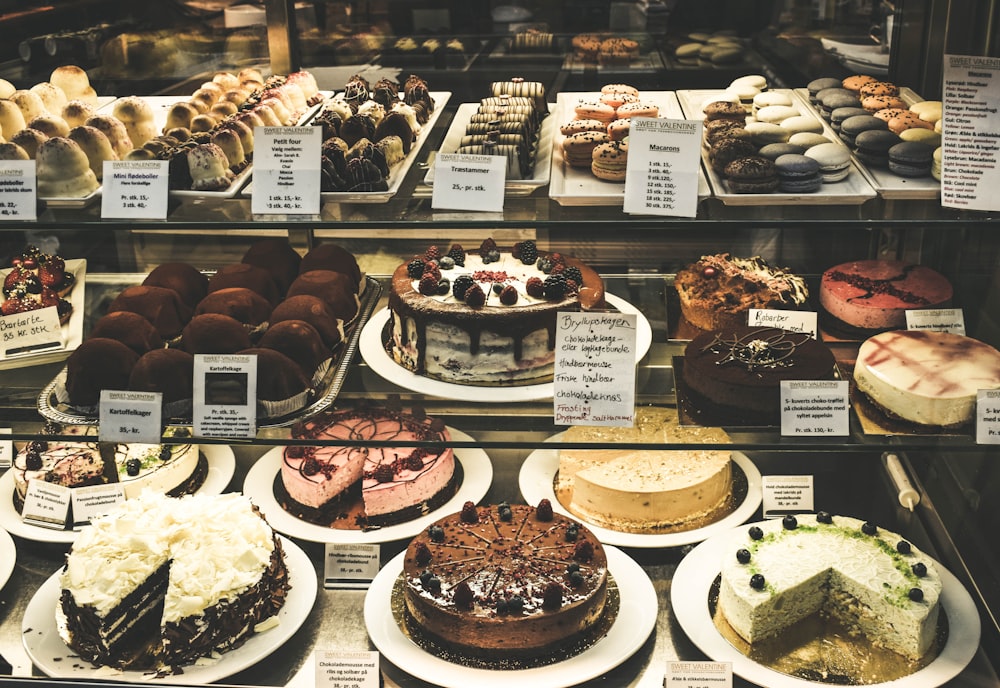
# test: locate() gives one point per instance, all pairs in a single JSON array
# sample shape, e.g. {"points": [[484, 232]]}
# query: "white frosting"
{"points": [[155, 474]]}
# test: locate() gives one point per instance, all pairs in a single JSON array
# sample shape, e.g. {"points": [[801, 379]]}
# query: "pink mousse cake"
{"points": [[70, 464], [397, 482], [874, 295]]}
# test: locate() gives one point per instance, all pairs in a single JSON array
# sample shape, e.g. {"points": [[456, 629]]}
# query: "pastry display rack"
{"points": [[957, 480]]}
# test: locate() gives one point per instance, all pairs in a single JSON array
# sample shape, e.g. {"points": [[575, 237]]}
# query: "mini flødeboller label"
{"points": [[135, 189]]}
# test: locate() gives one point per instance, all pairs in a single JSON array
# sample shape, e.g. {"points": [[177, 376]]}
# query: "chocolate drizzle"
{"points": [[878, 286], [757, 350]]}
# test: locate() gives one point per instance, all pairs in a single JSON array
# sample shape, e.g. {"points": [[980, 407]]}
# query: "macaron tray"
{"points": [[887, 184], [852, 190], [51, 404]]}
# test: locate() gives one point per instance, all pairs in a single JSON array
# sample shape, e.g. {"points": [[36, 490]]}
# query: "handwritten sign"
{"points": [[225, 395], [939, 319], [661, 173], [350, 566], [786, 494], [135, 189], [18, 194], [286, 170], [469, 182], [30, 330], [815, 408], [130, 416], [347, 669], [793, 321], [594, 381]]}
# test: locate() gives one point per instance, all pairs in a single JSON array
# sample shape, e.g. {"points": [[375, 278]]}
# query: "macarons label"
{"points": [[661, 174]]}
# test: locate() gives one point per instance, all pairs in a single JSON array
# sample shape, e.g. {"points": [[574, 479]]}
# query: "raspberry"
{"points": [[544, 510], [469, 513], [415, 268], [554, 287], [310, 466], [460, 286], [584, 550], [558, 258], [535, 287], [431, 268], [463, 596], [428, 285], [422, 553], [526, 251], [457, 254], [557, 268], [432, 253], [475, 297], [487, 246], [508, 295], [384, 473], [414, 462], [573, 273], [552, 597]]}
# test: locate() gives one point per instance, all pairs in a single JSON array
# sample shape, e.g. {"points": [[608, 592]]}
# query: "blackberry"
{"points": [[33, 461], [552, 597], [422, 553], [554, 287], [573, 273], [469, 513], [415, 268], [460, 285], [414, 462], [584, 550], [526, 251], [457, 254], [132, 467], [464, 598]]}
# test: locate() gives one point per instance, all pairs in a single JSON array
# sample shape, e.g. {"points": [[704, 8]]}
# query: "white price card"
{"points": [[286, 170], [793, 321], [988, 416], [225, 395], [46, 504], [350, 566], [357, 669], [970, 135], [699, 675], [786, 494], [815, 408], [938, 319], [37, 329], [594, 381], [661, 173], [130, 416], [6, 449], [93, 501], [469, 182], [18, 190], [136, 189]]}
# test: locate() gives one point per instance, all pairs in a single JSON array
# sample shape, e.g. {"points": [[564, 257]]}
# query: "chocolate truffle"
{"points": [[276, 256], [299, 341], [131, 329], [331, 257], [160, 306], [335, 288], [278, 377], [314, 311], [214, 333], [249, 307], [98, 363], [246, 276], [170, 371], [189, 282]]}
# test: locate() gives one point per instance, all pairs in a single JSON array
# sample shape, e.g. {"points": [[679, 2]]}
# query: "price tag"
{"points": [[225, 395], [661, 173], [594, 380], [350, 566], [30, 331], [469, 182], [815, 408], [939, 319], [793, 321], [6, 449], [347, 669], [970, 156], [286, 170], [988, 416], [95, 500], [135, 189], [786, 494], [46, 504], [699, 675], [18, 194], [130, 416]]}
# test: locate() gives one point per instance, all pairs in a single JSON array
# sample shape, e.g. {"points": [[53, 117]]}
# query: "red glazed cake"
{"points": [[507, 581]]}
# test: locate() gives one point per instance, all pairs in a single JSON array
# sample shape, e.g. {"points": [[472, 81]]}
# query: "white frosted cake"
{"points": [[645, 489], [781, 571], [925, 377], [165, 468]]}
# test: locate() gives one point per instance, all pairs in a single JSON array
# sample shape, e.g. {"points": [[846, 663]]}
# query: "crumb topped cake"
{"points": [[870, 579], [485, 316], [510, 581]]}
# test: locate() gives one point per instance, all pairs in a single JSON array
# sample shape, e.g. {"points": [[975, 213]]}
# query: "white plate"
{"points": [[379, 360], [513, 187], [72, 331], [576, 186], [221, 467], [8, 555], [477, 470], [636, 620], [536, 482], [698, 570], [854, 190], [48, 652]]}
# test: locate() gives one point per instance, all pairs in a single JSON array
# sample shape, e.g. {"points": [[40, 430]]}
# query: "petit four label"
{"points": [[93, 501], [815, 408], [469, 182], [30, 330], [286, 170], [18, 194], [46, 504], [661, 173], [135, 189], [130, 416], [786, 494], [225, 395], [594, 382], [699, 675], [793, 321], [988, 416], [350, 565], [347, 669], [939, 319]]}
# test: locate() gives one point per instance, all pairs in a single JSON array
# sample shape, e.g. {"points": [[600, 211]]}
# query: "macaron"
{"points": [[724, 128], [616, 100], [911, 159], [608, 161], [872, 147], [802, 124], [579, 147], [577, 125], [768, 98], [776, 113], [687, 53], [798, 174], [620, 88], [832, 101], [773, 151], [908, 120], [936, 164], [852, 126], [878, 88], [727, 150], [840, 114], [726, 54], [751, 175], [929, 110], [929, 136], [878, 102], [887, 113], [807, 139], [856, 81], [834, 161], [637, 109], [763, 133], [619, 129], [817, 85], [758, 81], [595, 110], [724, 109]]}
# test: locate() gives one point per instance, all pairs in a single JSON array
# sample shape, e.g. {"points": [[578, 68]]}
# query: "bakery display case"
{"points": [[933, 485]]}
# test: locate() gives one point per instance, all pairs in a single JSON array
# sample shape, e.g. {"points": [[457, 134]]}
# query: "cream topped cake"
{"points": [[69, 464], [925, 377], [488, 316], [870, 579], [172, 469]]}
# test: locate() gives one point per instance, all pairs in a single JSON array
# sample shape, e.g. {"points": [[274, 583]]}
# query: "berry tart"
{"points": [[37, 280]]}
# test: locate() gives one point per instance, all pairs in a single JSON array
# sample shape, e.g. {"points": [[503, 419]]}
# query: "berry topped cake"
{"points": [[37, 280], [487, 316]]}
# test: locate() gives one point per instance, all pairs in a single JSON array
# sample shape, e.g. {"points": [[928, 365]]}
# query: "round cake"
{"points": [[870, 296], [873, 581], [926, 377], [717, 291], [486, 316], [507, 581], [734, 374]]}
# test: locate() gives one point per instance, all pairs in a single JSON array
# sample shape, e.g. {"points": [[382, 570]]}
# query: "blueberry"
{"points": [[132, 467], [446, 262], [743, 556], [515, 604], [789, 522], [436, 533], [572, 567], [869, 528], [916, 594], [757, 581], [502, 606], [165, 453], [919, 569], [824, 517], [903, 547], [425, 577], [505, 513], [572, 532], [755, 533], [576, 579]]}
